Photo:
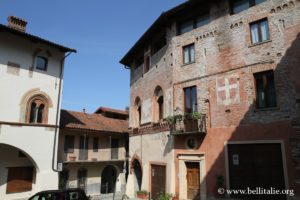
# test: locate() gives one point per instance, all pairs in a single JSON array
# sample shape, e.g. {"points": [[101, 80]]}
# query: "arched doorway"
{"points": [[108, 179], [137, 170], [17, 171]]}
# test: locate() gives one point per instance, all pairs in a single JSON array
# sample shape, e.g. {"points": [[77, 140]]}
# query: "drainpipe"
{"points": [[110, 147], [54, 153], [84, 141]]}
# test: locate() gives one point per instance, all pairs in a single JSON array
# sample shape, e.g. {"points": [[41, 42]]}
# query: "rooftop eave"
{"points": [[36, 39], [161, 20]]}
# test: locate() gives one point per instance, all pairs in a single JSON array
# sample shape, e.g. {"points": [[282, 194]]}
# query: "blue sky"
{"points": [[101, 31]]}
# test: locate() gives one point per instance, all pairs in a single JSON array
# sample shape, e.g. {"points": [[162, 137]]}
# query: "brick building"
{"points": [[215, 96]]}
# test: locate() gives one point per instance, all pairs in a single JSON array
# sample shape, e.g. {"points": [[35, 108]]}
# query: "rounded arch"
{"points": [[136, 170], [158, 104], [34, 163], [137, 111], [109, 177], [37, 109], [29, 95], [158, 91], [135, 158]]}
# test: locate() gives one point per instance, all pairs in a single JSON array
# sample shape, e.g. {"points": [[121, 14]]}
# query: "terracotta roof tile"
{"points": [[111, 110], [96, 122]]}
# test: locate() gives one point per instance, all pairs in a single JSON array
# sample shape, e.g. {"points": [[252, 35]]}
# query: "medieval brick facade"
{"points": [[224, 72]]}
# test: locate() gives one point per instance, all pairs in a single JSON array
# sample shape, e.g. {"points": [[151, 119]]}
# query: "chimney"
{"points": [[16, 23]]}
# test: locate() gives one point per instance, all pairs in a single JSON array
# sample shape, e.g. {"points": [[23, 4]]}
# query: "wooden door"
{"points": [[158, 180], [193, 180], [115, 149], [256, 165], [83, 147]]}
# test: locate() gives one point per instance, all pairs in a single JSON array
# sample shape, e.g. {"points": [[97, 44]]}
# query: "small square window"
{"points": [[41, 63], [189, 54], [265, 89], [260, 31]]}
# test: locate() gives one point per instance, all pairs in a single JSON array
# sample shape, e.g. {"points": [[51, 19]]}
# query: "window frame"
{"points": [[39, 100], [160, 104], [259, 25], [15, 175], [191, 88], [265, 73], [189, 46], [147, 63], [194, 21], [70, 146], [44, 68], [251, 4], [138, 111], [95, 144]]}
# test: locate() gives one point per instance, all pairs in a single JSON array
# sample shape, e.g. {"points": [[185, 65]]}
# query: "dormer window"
{"points": [[41, 63]]}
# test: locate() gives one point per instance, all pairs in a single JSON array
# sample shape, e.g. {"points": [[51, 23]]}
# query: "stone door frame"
{"points": [[199, 158]]}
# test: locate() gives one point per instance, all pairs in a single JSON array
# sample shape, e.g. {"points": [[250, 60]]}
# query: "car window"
{"points": [[76, 195], [36, 197], [47, 196]]}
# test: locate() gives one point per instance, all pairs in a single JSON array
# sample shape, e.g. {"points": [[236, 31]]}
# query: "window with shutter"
{"points": [[19, 179]]}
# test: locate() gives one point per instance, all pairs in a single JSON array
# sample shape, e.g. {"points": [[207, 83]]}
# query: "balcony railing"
{"points": [[189, 125], [100, 155]]}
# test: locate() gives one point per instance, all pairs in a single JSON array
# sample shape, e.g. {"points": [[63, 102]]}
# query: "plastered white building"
{"points": [[31, 74]]}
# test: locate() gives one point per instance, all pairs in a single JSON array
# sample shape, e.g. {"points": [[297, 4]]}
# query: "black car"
{"points": [[67, 194]]}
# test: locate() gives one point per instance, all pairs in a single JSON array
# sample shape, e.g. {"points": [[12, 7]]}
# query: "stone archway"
{"points": [[137, 170], [108, 179], [18, 172]]}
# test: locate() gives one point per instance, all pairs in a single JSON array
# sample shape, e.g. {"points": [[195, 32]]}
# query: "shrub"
{"points": [[164, 196], [142, 192]]}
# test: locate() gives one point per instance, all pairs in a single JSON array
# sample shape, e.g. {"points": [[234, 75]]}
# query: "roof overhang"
{"points": [[161, 21], [34, 38]]}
